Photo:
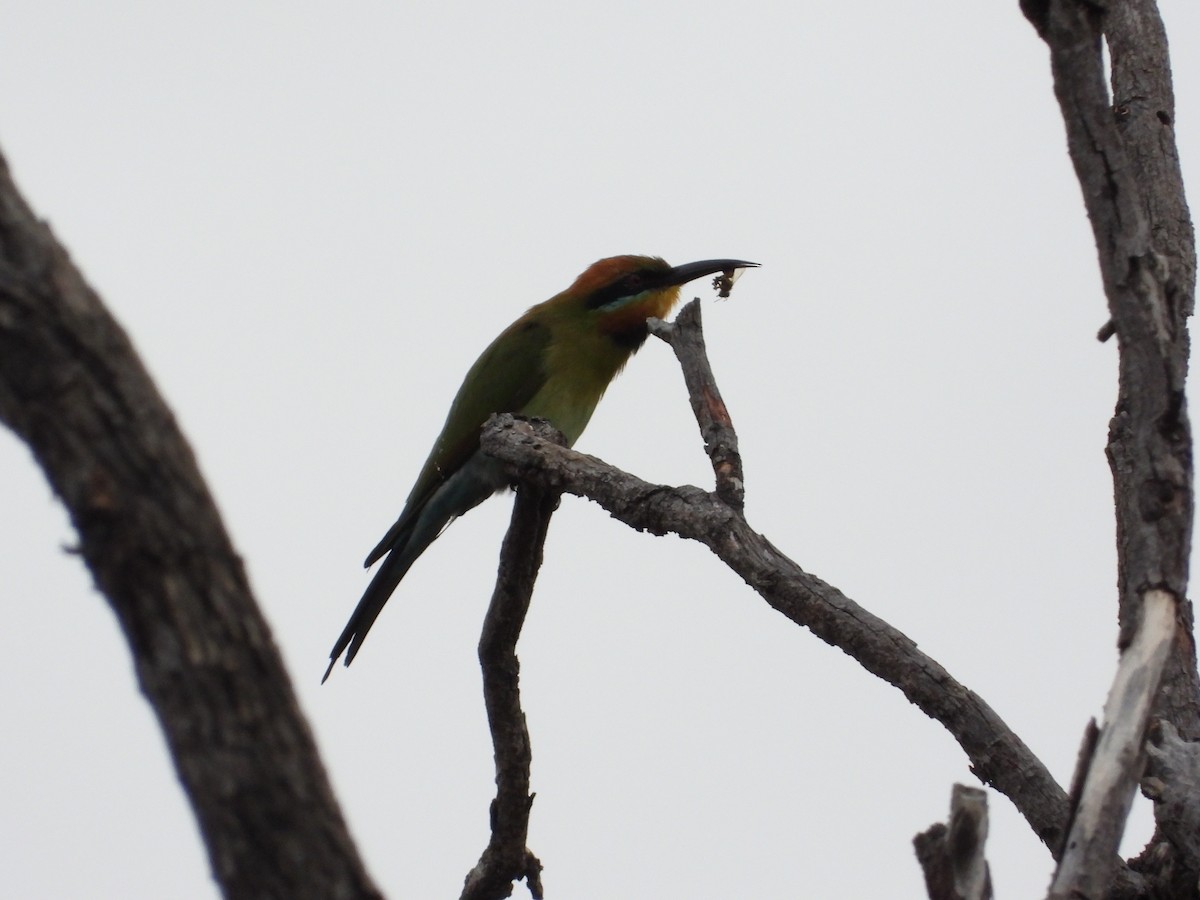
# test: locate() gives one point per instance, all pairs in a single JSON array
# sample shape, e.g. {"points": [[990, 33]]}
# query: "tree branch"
{"points": [[998, 756], [1125, 158], [1115, 764], [73, 388], [506, 858], [686, 337], [1150, 438], [1173, 783], [951, 856]]}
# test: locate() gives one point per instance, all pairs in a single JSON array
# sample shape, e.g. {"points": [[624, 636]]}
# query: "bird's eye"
{"points": [[633, 284], [623, 289]]}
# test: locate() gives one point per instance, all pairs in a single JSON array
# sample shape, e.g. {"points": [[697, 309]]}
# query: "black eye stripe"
{"points": [[625, 286]]}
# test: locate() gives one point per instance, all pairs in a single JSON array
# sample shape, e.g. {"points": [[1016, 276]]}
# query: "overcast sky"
{"points": [[311, 221]]}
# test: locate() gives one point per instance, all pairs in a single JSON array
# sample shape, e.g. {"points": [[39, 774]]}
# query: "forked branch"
{"points": [[998, 757]]}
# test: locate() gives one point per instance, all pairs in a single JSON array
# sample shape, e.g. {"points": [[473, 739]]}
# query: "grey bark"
{"points": [[951, 854], [998, 757], [506, 858], [73, 388], [1122, 146]]}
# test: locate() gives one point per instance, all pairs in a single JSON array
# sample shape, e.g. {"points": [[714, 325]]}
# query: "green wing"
{"points": [[504, 378]]}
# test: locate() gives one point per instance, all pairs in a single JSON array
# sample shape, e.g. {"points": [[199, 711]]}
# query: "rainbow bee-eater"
{"points": [[554, 362]]}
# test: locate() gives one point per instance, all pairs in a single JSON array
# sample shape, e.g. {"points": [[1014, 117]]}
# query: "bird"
{"points": [[554, 362]]}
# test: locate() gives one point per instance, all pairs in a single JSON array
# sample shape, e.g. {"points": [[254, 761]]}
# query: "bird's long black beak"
{"points": [[691, 271]]}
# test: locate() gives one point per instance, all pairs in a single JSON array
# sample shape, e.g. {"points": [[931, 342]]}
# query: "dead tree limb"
{"points": [[506, 858], [1173, 783], [1115, 764], [951, 854], [1124, 154], [686, 338], [73, 388], [998, 756], [1122, 146]]}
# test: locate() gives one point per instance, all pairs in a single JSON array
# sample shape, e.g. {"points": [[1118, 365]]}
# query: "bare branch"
{"points": [[73, 388], [686, 338], [1150, 438], [998, 757], [952, 856], [1172, 781], [1090, 857], [506, 858], [1124, 155]]}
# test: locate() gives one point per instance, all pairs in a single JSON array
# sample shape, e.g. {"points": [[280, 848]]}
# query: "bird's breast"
{"points": [[567, 401]]}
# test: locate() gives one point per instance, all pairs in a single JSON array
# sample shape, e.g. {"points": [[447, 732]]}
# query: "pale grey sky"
{"points": [[311, 221]]}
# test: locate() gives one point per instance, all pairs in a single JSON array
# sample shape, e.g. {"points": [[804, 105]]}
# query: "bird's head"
{"points": [[621, 292]]}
